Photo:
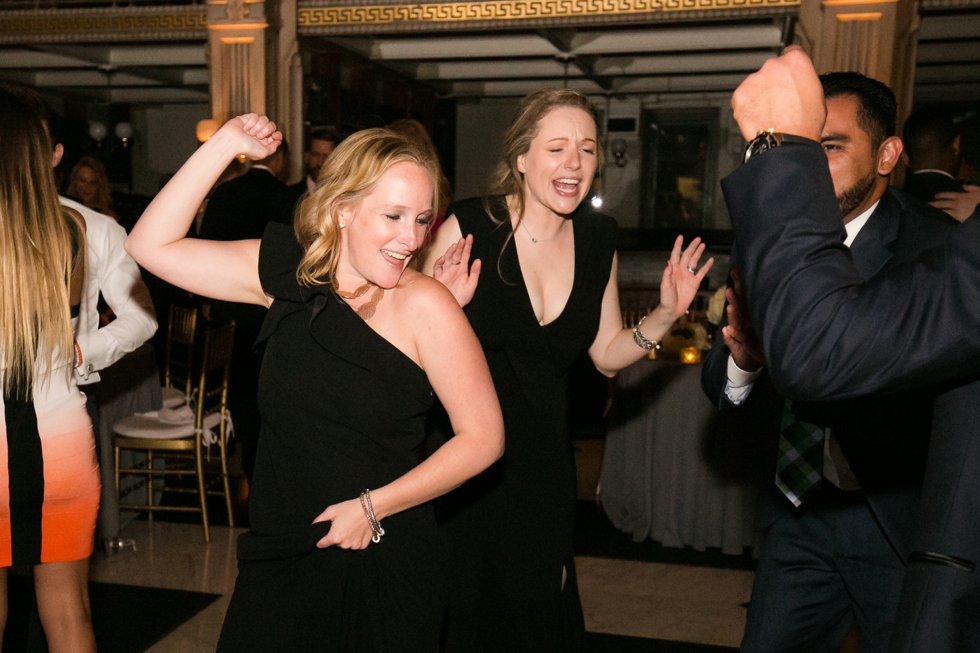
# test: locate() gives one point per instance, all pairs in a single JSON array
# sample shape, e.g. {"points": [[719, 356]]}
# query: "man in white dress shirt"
{"points": [[111, 272]]}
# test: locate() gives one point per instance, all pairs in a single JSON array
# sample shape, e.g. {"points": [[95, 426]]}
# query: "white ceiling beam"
{"points": [[455, 47], [964, 92], [197, 77], [682, 63], [680, 84], [948, 52], [22, 58], [967, 72], [493, 69], [519, 87], [958, 26], [158, 55], [674, 39], [157, 95], [18, 76], [678, 39], [49, 78]]}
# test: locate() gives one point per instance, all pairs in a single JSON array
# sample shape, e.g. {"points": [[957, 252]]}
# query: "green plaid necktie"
{"points": [[800, 462]]}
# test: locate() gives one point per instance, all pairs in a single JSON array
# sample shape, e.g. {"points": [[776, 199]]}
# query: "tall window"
{"points": [[679, 160]]}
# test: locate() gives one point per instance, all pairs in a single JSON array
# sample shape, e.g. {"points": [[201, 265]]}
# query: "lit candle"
{"points": [[691, 355]]}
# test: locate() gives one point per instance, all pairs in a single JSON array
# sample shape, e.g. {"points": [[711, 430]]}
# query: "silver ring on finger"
{"points": [[691, 270]]}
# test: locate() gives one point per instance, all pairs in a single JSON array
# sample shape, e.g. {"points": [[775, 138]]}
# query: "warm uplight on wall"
{"points": [[206, 128]]}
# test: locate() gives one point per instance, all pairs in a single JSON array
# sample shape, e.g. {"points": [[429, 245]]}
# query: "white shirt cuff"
{"points": [[739, 383]]}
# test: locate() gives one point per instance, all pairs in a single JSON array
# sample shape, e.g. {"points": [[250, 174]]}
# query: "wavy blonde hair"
{"points": [[36, 238], [103, 191], [351, 173]]}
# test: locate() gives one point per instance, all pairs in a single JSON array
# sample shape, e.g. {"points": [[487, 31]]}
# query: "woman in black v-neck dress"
{"points": [[357, 348], [546, 292]]}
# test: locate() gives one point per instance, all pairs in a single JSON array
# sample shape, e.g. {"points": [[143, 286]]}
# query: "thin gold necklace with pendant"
{"points": [[365, 310], [543, 240]]}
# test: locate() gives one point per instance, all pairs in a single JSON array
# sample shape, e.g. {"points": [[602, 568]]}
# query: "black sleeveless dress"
{"points": [[510, 529], [342, 410]]}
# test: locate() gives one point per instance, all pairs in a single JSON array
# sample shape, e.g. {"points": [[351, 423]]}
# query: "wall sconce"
{"points": [[124, 132], [205, 129], [618, 148], [97, 131]]}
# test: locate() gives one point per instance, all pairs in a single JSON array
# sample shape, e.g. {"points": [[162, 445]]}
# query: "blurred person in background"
{"points": [[322, 144], [89, 184], [414, 131]]}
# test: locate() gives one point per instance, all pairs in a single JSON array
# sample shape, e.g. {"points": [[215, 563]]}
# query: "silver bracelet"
{"points": [[369, 513], [639, 338]]}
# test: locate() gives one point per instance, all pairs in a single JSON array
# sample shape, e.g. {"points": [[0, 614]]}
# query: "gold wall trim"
{"points": [[112, 25], [311, 19]]}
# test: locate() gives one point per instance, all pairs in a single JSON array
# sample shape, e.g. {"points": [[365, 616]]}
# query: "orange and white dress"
{"points": [[49, 477]]}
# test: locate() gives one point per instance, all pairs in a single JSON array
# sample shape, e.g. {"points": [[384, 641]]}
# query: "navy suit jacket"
{"points": [[240, 209], [884, 437], [925, 185], [829, 334]]}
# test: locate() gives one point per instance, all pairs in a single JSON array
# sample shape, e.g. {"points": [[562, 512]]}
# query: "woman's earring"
{"points": [[342, 225]]}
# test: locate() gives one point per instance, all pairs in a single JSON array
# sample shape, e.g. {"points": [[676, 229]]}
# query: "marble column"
{"points": [[236, 57], [877, 38], [284, 80]]}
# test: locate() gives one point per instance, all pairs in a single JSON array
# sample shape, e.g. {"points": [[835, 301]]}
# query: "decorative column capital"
{"points": [[236, 14]]}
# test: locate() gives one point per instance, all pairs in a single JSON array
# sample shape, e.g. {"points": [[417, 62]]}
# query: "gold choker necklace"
{"points": [[365, 310]]}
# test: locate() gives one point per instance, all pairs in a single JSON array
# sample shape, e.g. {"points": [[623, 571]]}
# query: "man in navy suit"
{"points": [[933, 148], [838, 556], [828, 334]]}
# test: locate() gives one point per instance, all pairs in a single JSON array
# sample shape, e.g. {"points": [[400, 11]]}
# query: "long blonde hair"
{"points": [[505, 179], [103, 191], [349, 174], [35, 249]]}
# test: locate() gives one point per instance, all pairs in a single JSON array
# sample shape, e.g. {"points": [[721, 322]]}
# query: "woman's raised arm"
{"points": [[614, 347], [220, 270]]}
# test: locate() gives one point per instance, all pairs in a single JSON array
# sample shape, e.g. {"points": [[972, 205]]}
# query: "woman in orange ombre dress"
{"points": [[49, 481]]}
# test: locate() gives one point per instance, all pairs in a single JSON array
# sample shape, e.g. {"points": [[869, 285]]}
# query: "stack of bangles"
{"points": [[369, 513], [640, 340]]}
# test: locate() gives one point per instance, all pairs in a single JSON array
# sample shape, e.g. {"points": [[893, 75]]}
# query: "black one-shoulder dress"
{"points": [[342, 410], [510, 529]]}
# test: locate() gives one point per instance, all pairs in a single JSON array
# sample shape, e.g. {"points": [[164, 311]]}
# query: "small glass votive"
{"points": [[690, 355]]}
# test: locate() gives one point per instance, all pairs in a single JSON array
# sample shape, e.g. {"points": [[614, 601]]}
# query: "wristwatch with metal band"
{"points": [[768, 139]]}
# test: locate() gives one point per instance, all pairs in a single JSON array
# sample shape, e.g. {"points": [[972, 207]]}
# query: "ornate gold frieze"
{"points": [[112, 25], [313, 16]]}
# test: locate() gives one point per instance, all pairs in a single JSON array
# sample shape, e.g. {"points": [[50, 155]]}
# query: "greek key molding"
{"points": [[316, 18], [108, 25]]}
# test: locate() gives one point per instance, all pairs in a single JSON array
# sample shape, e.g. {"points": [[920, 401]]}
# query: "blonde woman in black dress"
{"points": [[343, 553], [547, 292]]}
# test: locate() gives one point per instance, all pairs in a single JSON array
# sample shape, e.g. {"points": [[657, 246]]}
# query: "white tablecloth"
{"points": [[677, 470]]}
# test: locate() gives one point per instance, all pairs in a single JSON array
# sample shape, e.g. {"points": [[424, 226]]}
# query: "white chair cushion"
{"points": [[172, 397], [170, 424], [149, 425]]}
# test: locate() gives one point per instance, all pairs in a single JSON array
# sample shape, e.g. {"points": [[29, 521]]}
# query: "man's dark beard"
{"points": [[851, 198]]}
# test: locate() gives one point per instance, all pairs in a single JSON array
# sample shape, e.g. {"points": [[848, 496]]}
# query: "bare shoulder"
{"points": [[424, 297]]}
